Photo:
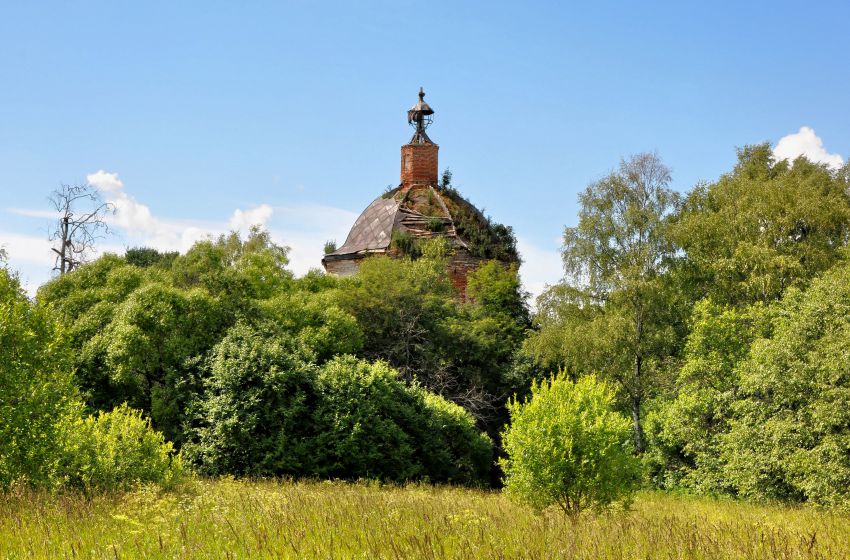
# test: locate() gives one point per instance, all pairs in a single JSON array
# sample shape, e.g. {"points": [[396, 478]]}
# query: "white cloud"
{"points": [[242, 220], [541, 267], [26, 248], [105, 181], [305, 228], [130, 214], [34, 213], [806, 143]]}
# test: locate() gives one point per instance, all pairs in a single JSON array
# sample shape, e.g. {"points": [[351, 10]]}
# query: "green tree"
{"points": [[687, 431], [145, 257], [790, 429], [496, 289], [616, 313], [411, 317], [142, 326], [400, 306], [762, 228], [566, 446], [154, 346]]}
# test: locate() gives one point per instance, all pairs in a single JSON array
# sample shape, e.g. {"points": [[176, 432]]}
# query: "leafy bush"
{"points": [[44, 439], [455, 451], [35, 387], [320, 327], [372, 426], [115, 451], [566, 446], [253, 416], [435, 224], [268, 413], [144, 257]]}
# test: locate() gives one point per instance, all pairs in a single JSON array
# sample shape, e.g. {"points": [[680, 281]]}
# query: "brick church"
{"points": [[421, 208]]}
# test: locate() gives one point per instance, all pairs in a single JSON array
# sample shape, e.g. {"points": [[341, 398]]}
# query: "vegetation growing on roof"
{"points": [[484, 238], [435, 224], [405, 244]]}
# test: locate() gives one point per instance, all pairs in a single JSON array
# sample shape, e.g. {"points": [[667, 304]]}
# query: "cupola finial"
{"points": [[419, 117]]}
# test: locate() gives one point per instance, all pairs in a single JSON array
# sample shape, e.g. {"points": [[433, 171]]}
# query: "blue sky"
{"points": [[292, 113]]}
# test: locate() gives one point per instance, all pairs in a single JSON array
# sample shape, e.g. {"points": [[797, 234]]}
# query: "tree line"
{"points": [[715, 321]]}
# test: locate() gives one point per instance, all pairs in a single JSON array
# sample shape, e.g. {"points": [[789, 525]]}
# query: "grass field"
{"points": [[237, 519]]}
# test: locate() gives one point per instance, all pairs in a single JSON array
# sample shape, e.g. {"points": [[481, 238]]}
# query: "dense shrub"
{"points": [[566, 446], [45, 440], [253, 415], [373, 426], [36, 387], [686, 431], [267, 412], [115, 451]]}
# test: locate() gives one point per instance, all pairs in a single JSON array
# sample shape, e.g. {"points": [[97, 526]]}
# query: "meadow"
{"points": [[229, 518]]}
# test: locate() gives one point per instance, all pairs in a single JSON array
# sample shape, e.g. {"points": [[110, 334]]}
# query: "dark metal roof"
{"points": [[420, 107], [373, 229]]}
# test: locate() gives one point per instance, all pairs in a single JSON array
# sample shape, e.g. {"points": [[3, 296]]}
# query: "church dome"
{"points": [[422, 208], [405, 216]]}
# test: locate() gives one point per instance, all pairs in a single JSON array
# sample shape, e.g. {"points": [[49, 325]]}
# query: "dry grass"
{"points": [[241, 519]]}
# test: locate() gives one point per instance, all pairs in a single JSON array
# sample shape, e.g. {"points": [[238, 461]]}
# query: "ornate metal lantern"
{"points": [[419, 117]]}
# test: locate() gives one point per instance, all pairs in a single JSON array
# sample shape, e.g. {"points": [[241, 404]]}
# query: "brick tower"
{"points": [[396, 223], [419, 156]]}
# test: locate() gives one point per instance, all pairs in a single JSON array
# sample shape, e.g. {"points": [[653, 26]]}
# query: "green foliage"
{"points": [[790, 431], [321, 329], [251, 416], [330, 247], [46, 439], [687, 431], [268, 413], [405, 244], [152, 345], [435, 224], [116, 450], [142, 335], [497, 289], [445, 179], [373, 426], [145, 257], [616, 313], [400, 306], [763, 228], [410, 317], [486, 239], [567, 447], [35, 387]]}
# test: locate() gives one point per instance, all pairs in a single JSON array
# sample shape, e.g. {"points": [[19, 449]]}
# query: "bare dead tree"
{"points": [[81, 222]]}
